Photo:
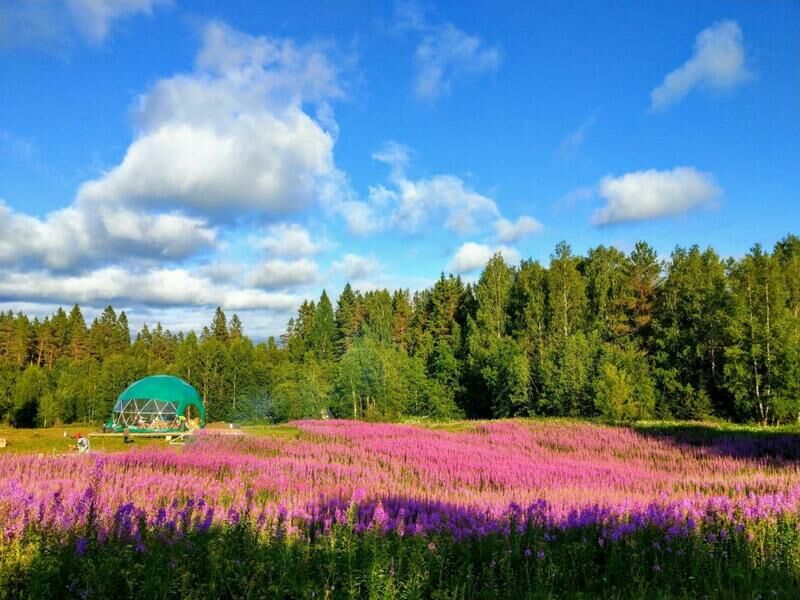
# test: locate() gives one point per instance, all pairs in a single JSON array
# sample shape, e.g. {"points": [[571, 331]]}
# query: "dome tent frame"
{"points": [[156, 404]]}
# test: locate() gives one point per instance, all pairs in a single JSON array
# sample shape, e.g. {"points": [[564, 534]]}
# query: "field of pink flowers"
{"points": [[343, 509], [485, 478]]}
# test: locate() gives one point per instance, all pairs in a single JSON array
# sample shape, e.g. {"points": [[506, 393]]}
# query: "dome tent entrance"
{"points": [[160, 403]]}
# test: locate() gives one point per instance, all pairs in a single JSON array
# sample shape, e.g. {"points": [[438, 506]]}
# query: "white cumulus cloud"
{"points": [[277, 274], [410, 205], [508, 231], [651, 194], [233, 136], [472, 256], [157, 286], [77, 234], [355, 268], [718, 63], [290, 239], [415, 201]]}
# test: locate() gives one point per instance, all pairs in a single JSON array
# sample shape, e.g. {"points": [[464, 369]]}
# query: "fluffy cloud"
{"points": [[289, 239], [159, 287], [471, 257], [356, 268], [651, 194], [393, 154], [278, 274], [233, 135], [508, 232], [231, 138], [718, 63], [409, 205], [361, 218], [416, 201], [221, 271], [81, 233]]}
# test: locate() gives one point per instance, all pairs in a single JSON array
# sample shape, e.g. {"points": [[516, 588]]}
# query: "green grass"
{"points": [[51, 440], [718, 428], [283, 430], [239, 562]]}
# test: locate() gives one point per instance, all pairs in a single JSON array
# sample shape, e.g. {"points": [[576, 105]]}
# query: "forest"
{"points": [[611, 335]]}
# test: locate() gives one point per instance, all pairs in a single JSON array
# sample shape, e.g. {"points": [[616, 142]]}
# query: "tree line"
{"points": [[610, 334]]}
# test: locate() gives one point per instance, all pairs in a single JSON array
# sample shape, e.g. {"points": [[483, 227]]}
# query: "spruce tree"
{"points": [[322, 336], [347, 319], [219, 326], [236, 329]]}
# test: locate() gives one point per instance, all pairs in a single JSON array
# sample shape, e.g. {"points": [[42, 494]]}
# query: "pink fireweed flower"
{"points": [[488, 479]]}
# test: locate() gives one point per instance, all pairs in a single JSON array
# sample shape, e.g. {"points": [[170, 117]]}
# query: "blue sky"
{"points": [[167, 156]]}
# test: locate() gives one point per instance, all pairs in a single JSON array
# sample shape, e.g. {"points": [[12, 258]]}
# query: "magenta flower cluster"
{"points": [[488, 478]]}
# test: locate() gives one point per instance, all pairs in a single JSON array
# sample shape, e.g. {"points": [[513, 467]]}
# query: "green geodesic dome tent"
{"points": [[160, 403]]}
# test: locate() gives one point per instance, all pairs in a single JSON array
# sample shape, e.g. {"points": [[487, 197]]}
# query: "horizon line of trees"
{"points": [[621, 336]]}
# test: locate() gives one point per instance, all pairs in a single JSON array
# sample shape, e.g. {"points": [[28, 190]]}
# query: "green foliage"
{"points": [[506, 373], [322, 336], [566, 293], [761, 357], [628, 336], [348, 319], [693, 306], [31, 387], [568, 372], [369, 382], [614, 394], [632, 365], [237, 562], [302, 393]]}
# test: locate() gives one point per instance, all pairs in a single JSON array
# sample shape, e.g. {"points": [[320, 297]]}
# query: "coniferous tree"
{"points": [[605, 270], [642, 276], [402, 312], [497, 361], [528, 313], [347, 319], [219, 326], [122, 333], [19, 344], [378, 315], [78, 334], [622, 336], [236, 329], [322, 335], [689, 332]]}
